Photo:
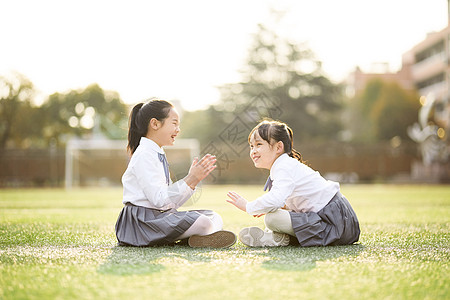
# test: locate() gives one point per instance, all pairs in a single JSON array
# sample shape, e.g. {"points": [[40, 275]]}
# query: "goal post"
{"points": [[101, 162]]}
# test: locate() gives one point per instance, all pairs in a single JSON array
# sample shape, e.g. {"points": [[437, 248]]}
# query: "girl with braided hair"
{"points": [[301, 206]]}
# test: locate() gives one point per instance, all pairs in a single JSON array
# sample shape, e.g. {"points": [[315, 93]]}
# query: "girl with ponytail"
{"points": [[301, 206], [149, 216]]}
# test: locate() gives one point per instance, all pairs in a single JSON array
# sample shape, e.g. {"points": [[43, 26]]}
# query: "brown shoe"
{"points": [[218, 239]]}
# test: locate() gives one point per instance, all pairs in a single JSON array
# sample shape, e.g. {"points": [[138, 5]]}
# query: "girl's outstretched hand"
{"points": [[200, 169], [237, 201]]}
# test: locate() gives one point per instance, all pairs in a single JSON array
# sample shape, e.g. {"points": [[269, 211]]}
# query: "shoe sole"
{"points": [[219, 239], [252, 237]]}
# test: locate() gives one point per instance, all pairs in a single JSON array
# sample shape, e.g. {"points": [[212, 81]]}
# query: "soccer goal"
{"points": [[101, 162]]}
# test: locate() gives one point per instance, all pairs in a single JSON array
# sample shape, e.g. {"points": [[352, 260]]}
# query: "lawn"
{"points": [[57, 244]]}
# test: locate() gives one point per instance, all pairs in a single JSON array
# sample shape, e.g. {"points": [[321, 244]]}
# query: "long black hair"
{"points": [[274, 131], [140, 117]]}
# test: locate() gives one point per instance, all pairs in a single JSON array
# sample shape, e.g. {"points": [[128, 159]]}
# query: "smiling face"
{"points": [[262, 153], [164, 133]]}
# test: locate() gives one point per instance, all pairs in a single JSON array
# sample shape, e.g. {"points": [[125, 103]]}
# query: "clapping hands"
{"points": [[200, 169]]}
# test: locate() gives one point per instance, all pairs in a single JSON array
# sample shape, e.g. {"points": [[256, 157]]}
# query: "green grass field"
{"points": [[56, 244]]}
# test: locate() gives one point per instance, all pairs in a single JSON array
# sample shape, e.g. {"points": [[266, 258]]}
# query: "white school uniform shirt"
{"points": [[295, 185], [144, 181]]}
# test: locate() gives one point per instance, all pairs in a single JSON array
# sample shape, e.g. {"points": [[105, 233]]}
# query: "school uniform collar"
{"points": [[150, 144], [278, 161]]}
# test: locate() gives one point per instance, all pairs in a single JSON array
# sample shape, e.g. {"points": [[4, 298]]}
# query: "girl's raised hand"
{"points": [[200, 169], [237, 201]]}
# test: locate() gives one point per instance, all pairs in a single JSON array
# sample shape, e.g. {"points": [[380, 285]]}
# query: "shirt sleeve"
{"points": [[155, 188], [282, 187]]}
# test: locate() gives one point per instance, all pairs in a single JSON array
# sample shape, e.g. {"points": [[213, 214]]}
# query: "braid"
{"points": [[294, 153], [297, 155]]}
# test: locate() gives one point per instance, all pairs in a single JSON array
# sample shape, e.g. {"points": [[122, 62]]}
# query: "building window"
{"points": [[430, 81], [435, 49]]}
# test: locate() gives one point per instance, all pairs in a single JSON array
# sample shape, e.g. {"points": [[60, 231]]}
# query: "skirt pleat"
{"points": [[142, 226], [335, 224]]}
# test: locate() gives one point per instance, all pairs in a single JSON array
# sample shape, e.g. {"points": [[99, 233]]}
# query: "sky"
{"points": [[184, 50]]}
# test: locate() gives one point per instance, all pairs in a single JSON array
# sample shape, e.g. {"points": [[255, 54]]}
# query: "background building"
{"points": [[429, 65], [358, 79]]}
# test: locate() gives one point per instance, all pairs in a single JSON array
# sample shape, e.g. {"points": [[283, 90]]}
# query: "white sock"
{"points": [[217, 221]]}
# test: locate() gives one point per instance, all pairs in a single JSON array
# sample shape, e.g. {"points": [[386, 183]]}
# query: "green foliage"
{"points": [[383, 110], [75, 113], [394, 111], [203, 125], [288, 74], [18, 116], [282, 80], [56, 244]]}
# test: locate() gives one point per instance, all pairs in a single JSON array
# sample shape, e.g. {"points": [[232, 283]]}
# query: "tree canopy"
{"points": [[283, 80], [382, 111], [19, 121], [75, 113]]}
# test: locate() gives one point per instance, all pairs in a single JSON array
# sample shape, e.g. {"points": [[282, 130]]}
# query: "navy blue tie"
{"points": [[268, 185], [163, 159]]}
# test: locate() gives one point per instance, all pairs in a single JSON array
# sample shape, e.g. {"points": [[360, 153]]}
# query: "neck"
{"points": [[154, 138], [275, 160]]}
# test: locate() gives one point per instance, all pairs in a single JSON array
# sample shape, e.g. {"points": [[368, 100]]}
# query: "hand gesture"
{"points": [[200, 169], [237, 201]]}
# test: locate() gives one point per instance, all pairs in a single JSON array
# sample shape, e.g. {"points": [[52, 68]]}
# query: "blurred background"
{"points": [[364, 85]]}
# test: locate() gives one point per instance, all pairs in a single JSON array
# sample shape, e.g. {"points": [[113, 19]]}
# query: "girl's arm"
{"points": [[173, 196], [283, 185]]}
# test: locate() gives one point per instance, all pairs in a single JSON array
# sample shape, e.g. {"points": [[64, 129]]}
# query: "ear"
{"points": [[154, 124], [280, 147]]}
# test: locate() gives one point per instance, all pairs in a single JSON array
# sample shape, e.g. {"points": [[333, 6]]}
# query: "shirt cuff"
{"points": [[250, 208], [185, 185]]}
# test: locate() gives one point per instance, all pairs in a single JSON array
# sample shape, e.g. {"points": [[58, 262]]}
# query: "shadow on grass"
{"points": [[125, 261], [144, 260], [305, 258]]}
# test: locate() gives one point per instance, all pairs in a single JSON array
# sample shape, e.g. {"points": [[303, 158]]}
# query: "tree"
{"points": [[18, 121], [292, 80], [395, 110], [383, 110], [77, 112]]}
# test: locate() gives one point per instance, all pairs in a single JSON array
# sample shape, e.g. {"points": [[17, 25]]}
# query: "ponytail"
{"points": [[134, 134], [140, 117]]}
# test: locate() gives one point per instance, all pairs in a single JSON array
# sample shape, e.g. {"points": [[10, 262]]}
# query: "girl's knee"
{"points": [[217, 220], [279, 221], [203, 225], [271, 220]]}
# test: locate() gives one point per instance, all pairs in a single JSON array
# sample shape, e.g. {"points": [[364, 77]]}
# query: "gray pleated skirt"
{"points": [[142, 227], [335, 224]]}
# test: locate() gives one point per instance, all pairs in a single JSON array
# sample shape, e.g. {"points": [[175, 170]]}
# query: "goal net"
{"points": [[102, 162]]}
